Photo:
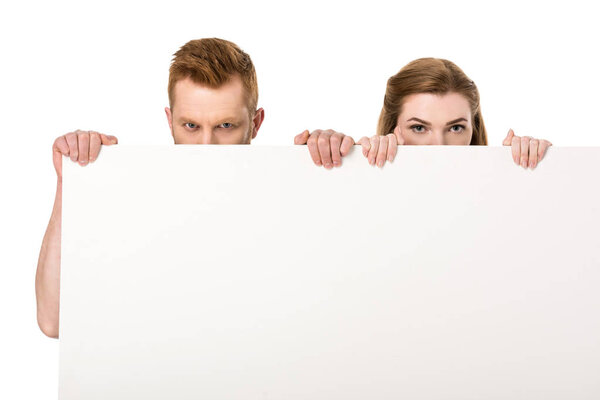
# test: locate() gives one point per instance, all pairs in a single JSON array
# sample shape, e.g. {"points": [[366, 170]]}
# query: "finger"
{"points": [[533, 153], [516, 149], [508, 139], [374, 149], [95, 143], [107, 140], [392, 147], [57, 161], [366, 145], [60, 146], [524, 151], [84, 147], [347, 144], [398, 134], [313, 148], [325, 149], [543, 146], [71, 139], [301, 138], [336, 143], [382, 152]]}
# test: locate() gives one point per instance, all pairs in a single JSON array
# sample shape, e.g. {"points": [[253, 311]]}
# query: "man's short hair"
{"points": [[213, 62]]}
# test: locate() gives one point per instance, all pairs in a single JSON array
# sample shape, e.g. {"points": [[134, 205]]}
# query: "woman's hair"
{"points": [[430, 75]]}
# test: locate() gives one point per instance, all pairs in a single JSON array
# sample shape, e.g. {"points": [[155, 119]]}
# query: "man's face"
{"points": [[203, 115]]}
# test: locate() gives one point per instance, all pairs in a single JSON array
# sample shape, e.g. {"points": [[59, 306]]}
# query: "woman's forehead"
{"points": [[435, 107]]}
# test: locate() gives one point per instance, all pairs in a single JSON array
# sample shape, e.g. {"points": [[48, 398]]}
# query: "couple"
{"points": [[213, 96]]}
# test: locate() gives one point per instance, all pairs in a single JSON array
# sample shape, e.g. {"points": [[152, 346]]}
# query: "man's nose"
{"points": [[207, 137]]}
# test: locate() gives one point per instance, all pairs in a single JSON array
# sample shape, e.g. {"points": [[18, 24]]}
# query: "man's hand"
{"points": [[82, 146], [326, 147]]}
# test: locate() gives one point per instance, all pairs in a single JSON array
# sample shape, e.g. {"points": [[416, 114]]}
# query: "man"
{"points": [[213, 95]]}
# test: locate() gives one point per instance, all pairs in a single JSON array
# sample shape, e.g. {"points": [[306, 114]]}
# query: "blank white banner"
{"points": [[244, 272]]}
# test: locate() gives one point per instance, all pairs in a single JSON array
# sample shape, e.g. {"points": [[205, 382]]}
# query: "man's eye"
{"points": [[418, 128], [226, 125], [190, 125], [457, 128]]}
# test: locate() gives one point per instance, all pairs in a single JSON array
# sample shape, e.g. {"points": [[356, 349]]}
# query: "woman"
{"points": [[428, 102]]}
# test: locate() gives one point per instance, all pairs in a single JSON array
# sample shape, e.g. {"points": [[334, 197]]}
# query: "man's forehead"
{"points": [[192, 98]]}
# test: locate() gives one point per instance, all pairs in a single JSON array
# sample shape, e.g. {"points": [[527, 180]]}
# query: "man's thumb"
{"points": [[57, 161], [302, 138]]}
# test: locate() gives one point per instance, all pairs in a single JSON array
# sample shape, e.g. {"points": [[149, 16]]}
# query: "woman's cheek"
{"points": [[465, 138], [414, 139]]}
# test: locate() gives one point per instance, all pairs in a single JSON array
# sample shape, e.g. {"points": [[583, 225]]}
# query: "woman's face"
{"points": [[436, 119]]}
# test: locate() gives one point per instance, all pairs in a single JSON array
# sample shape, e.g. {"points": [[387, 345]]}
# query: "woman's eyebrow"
{"points": [[429, 123], [419, 120], [457, 120]]}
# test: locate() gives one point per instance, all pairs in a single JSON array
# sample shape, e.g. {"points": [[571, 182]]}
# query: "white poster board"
{"points": [[244, 272]]}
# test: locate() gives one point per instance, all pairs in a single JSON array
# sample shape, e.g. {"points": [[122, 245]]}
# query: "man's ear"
{"points": [[258, 120], [170, 120]]}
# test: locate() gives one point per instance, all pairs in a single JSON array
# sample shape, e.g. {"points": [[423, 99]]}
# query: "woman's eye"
{"points": [[418, 128], [190, 125], [457, 128], [226, 125]]}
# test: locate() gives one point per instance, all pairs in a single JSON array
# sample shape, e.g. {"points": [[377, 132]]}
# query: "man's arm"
{"points": [[82, 147], [47, 277]]}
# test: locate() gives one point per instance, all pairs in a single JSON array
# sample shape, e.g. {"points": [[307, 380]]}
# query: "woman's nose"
{"points": [[436, 139]]}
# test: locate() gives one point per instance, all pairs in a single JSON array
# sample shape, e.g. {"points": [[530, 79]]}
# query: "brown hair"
{"points": [[212, 62], [430, 75]]}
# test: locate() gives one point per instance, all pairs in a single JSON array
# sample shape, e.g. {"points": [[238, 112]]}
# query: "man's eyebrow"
{"points": [[184, 118], [231, 119]]}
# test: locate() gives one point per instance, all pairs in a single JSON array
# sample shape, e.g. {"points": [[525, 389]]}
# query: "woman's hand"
{"points": [[526, 150], [326, 147], [377, 149]]}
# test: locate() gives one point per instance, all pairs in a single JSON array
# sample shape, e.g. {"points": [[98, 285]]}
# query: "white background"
{"points": [[104, 66]]}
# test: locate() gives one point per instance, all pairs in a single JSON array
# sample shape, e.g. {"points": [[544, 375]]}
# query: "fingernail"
{"points": [[523, 163], [336, 163], [328, 166]]}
